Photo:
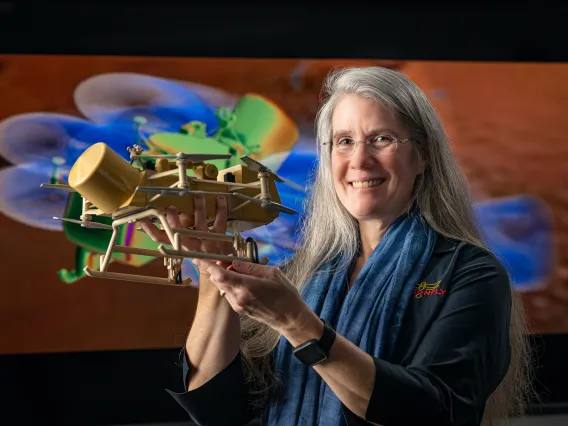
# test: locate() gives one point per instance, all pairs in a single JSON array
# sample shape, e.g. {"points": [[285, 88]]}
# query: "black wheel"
{"points": [[252, 250]]}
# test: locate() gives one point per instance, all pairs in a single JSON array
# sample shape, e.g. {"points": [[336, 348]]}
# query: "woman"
{"points": [[402, 315]]}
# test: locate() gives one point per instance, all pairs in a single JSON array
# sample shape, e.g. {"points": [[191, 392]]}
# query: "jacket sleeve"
{"points": [[462, 358], [223, 400]]}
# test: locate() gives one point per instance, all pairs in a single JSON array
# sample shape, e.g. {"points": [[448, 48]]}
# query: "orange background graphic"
{"points": [[507, 126]]}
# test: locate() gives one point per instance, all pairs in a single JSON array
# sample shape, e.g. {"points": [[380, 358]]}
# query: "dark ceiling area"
{"points": [[353, 30]]}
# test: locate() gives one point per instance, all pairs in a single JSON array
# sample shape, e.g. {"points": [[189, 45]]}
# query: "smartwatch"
{"points": [[315, 351]]}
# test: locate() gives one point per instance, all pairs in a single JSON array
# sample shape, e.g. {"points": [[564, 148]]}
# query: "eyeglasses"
{"points": [[378, 145]]}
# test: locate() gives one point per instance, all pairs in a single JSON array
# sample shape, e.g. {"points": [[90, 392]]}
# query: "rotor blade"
{"points": [[246, 197], [85, 224], [276, 177], [254, 165], [208, 192], [96, 225], [162, 174], [177, 191], [164, 190], [61, 186], [171, 156], [78, 222], [205, 157], [292, 184], [270, 205], [189, 157]]}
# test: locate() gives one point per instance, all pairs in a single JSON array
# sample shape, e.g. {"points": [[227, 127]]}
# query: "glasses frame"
{"points": [[368, 142]]}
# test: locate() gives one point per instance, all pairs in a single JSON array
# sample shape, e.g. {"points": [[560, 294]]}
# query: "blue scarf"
{"points": [[369, 316]]}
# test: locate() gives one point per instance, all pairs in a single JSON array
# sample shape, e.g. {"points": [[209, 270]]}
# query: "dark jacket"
{"points": [[452, 352]]}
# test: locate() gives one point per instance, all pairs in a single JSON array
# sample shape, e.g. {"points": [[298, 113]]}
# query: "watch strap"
{"points": [[328, 337]]}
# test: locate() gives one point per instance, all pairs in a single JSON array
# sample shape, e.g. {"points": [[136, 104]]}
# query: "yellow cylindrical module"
{"points": [[103, 177]]}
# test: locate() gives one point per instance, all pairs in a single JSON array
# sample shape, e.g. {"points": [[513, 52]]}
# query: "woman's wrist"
{"points": [[305, 326], [206, 287]]}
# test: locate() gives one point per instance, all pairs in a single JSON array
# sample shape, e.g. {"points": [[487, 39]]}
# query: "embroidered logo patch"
{"points": [[425, 289]]}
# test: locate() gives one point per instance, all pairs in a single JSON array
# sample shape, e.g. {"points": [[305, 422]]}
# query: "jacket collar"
{"points": [[444, 245]]}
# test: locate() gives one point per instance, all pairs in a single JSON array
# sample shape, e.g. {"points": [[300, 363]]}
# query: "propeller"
{"points": [[41, 136], [256, 166], [188, 157], [267, 204], [61, 186], [22, 199], [119, 97], [164, 190], [86, 224]]}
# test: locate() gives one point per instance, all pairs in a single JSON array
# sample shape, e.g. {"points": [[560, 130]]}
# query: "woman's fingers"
{"points": [[219, 227], [232, 297], [145, 224], [197, 220], [227, 284], [187, 220], [215, 271], [153, 232], [225, 265], [255, 269], [200, 213], [231, 277], [203, 264], [208, 267], [220, 224], [238, 289], [172, 216], [175, 220]]}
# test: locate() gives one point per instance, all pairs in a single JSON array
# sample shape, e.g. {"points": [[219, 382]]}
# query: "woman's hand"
{"points": [[259, 291], [199, 221], [214, 337]]}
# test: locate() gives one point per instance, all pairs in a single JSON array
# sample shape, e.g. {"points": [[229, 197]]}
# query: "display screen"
{"points": [[505, 121]]}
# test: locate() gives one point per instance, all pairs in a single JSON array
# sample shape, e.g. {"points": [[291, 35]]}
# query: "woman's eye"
{"points": [[344, 141], [384, 139]]}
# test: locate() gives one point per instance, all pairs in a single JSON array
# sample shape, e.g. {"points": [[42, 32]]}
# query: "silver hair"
{"points": [[441, 194]]}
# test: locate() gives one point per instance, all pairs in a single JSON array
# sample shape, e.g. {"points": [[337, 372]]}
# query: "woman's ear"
{"points": [[422, 163]]}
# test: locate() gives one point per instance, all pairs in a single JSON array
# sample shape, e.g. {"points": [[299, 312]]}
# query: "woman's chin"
{"points": [[367, 213]]}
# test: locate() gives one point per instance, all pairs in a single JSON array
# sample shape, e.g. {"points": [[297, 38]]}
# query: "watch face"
{"points": [[310, 354]]}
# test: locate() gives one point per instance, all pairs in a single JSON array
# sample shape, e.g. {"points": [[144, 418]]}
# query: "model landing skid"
{"points": [[245, 250]]}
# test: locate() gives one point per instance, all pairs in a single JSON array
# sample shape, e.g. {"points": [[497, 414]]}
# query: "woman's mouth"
{"points": [[366, 183]]}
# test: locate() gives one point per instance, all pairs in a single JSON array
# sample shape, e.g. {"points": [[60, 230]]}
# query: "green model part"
{"points": [[93, 242]]}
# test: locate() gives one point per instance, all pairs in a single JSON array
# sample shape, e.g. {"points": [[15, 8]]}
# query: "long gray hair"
{"points": [[441, 194]]}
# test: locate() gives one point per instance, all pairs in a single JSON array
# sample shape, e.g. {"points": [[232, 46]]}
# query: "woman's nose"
{"points": [[361, 156]]}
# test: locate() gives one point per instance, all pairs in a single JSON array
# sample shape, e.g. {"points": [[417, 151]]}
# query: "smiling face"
{"points": [[371, 185]]}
